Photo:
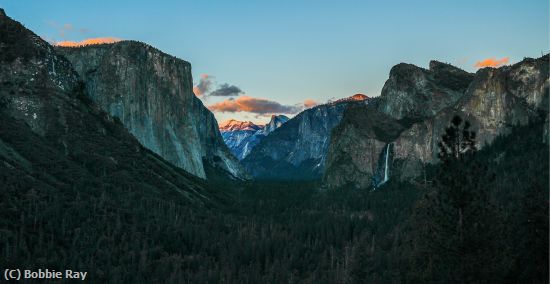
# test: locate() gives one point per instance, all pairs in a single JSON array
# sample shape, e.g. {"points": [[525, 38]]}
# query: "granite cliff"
{"points": [[298, 149], [241, 137], [56, 144], [151, 93], [415, 107], [415, 92]]}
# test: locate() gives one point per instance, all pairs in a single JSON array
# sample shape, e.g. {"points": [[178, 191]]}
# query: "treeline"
{"points": [[482, 219]]}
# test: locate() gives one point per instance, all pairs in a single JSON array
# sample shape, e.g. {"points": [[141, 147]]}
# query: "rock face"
{"points": [[412, 120], [415, 92], [151, 93], [357, 146], [241, 137], [275, 122], [298, 149], [52, 137], [509, 95]]}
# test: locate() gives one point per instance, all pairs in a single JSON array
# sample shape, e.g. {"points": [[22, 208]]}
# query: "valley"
{"points": [[112, 164]]}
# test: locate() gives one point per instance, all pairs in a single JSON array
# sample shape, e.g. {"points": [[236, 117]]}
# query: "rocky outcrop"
{"points": [[494, 101], [240, 142], [298, 149], [54, 139], [357, 147], [501, 97], [275, 122], [151, 93], [241, 137], [415, 92], [34, 78]]}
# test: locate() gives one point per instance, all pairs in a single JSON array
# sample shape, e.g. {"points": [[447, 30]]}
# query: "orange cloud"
{"points": [[90, 41], [492, 62], [253, 105], [310, 103]]}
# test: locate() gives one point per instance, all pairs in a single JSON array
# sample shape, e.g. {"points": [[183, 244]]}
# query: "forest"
{"points": [[480, 216]]}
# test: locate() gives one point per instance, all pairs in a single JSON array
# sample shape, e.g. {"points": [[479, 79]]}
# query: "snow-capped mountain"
{"points": [[235, 125], [242, 136]]}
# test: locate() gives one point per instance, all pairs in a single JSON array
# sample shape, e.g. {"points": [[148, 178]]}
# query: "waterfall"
{"points": [[386, 166]]}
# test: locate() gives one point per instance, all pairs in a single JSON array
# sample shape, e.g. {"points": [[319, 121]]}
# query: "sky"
{"points": [[251, 59]]}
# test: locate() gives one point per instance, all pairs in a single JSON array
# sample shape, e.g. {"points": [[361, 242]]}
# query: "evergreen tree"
{"points": [[456, 143], [455, 222], [361, 266]]}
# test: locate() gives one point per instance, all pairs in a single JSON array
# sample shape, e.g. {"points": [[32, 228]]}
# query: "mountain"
{"points": [[404, 125], [235, 125], [241, 137], [275, 122], [151, 93], [415, 92], [57, 145], [356, 97], [297, 149]]}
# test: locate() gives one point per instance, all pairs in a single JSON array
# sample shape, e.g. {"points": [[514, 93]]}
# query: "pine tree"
{"points": [[361, 264], [457, 144], [455, 222]]}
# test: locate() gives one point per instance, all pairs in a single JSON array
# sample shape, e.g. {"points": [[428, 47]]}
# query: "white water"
{"points": [[386, 177], [386, 169]]}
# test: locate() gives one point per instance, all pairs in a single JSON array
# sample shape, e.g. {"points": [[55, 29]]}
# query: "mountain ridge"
{"points": [[151, 93], [495, 99], [237, 125], [242, 137], [53, 138], [297, 149]]}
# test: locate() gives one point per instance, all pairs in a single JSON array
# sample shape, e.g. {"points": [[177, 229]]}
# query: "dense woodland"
{"points": [[478, 218], [92, 199]]}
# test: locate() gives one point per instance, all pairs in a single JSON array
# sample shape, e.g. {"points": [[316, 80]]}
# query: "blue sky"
{"points": [[290, 51]]}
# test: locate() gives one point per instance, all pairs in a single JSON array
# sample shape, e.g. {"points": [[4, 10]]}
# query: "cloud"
{"points": [[492, 62], [308, 103], [204, 86], [90, 41], [253, 105], [226, 90]]}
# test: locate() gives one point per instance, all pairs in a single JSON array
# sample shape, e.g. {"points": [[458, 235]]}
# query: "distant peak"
{"points": [[275, 122], [2, 13], [358, 97], [279, 117], [89, 41], [236, 125], [354, 98]]}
